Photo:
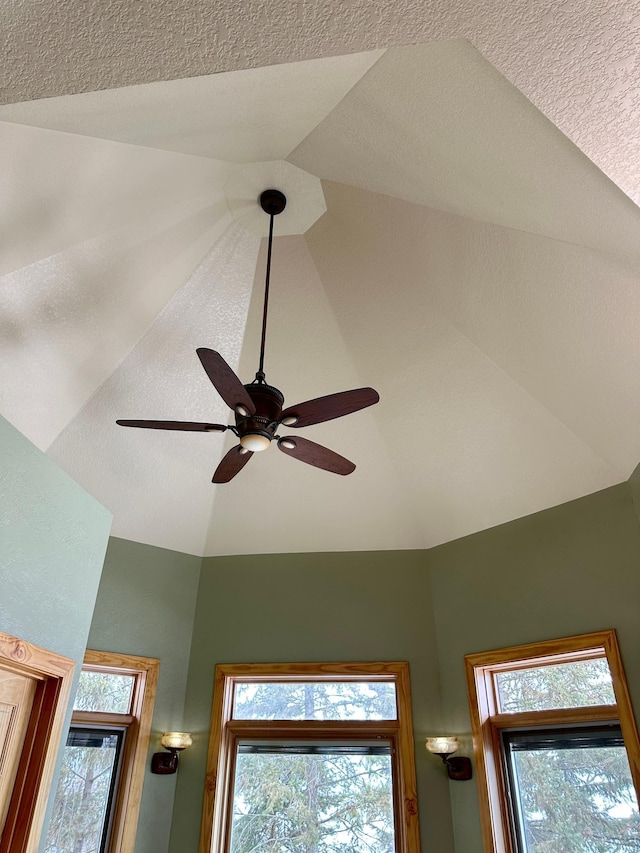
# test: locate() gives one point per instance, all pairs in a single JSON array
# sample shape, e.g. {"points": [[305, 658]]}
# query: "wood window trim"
{"points": [[32, 786], [224, 733], [487, 722], [138, 724]]}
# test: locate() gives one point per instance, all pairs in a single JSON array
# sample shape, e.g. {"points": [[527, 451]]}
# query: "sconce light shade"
{"points": [[459, 767], [166, 763], [176, 740], [442, 745]]}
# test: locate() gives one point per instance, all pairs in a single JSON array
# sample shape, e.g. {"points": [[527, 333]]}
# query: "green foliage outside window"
{"points": [[578, 801], [84, 785], [573, 800], [566, 685], [308, 803]]}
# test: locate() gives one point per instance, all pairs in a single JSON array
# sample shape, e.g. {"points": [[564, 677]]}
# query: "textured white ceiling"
{"points": [[577, 61], [488, 348], [473, 266], [96, 238], [158, 484], [291, 505], [257, 114], [439, 126], [303, 191]]}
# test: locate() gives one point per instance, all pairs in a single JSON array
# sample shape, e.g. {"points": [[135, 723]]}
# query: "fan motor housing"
{"points": [[268, 402]]}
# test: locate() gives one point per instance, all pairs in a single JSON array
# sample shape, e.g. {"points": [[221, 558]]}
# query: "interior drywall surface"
{"points": [[314, 607], [53, 536], [634, 488], [145, 606], [569, 570]]}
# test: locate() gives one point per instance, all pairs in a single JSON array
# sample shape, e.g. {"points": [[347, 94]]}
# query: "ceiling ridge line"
{"points": [[107, 140], [623, 262], [215, 489], [167, 218], [408, 511], [381, 51], [396, 473], [446, 319], [141, 337]]}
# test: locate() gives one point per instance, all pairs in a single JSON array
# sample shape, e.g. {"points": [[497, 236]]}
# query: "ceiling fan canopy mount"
{"points": [[273, 202]]}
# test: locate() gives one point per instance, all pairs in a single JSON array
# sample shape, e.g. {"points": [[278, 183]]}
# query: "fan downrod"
{"points": [[273, 202]]}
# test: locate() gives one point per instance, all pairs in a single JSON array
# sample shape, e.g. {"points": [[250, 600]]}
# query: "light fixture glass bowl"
{"points": [[255, 442], [442, 745], [176, 740]]}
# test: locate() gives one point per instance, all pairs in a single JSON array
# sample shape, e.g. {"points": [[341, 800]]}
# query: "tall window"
{"points": [[311, 758], [97, 799], [556, 747]]}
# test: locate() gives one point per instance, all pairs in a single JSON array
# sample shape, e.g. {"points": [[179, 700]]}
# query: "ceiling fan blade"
{"points": [[332, 406], [315, 454], [231, 464], [188, 426], [225, 381]]}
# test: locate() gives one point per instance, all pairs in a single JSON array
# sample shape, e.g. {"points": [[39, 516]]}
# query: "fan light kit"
{"points": [[258, 407]]}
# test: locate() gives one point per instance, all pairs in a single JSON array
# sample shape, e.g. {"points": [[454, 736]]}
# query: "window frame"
{"points": [[225, 732], [137, 724], [488, 723]]}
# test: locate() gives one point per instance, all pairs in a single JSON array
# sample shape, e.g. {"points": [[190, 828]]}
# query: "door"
{"points": [[16, 699]]}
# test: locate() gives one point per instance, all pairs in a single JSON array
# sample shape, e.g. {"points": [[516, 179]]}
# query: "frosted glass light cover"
{"points": [[255, 443], [442, 745], [176, 740]]}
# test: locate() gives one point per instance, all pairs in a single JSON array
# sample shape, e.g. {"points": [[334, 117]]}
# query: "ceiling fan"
{"points": [[259, 408]]}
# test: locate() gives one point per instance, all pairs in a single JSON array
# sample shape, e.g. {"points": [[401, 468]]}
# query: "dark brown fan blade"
{"points": [[224, 380], [233, 462], [329, 407], [189, 426], [315, 454]]}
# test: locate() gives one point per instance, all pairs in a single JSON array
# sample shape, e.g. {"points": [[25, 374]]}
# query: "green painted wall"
{"points": [[53, 537], [314, 607], [634, 486], [569, 570], [145, 606]]}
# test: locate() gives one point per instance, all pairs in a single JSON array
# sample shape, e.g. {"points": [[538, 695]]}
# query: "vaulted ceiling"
{"points": [[470, 252]]}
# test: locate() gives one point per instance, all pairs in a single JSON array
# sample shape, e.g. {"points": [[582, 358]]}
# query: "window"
{"points": [[556, 747], [311, 757], [97, 799]]}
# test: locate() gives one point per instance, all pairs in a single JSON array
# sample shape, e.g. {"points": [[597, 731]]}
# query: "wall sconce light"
{"points": [[458, 768], [167, 762]]}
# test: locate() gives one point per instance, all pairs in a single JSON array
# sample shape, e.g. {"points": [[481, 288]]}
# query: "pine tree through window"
{"points": [[311, 758], [96, 804], [556, 747]]}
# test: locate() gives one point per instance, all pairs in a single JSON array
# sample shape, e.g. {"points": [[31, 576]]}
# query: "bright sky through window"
{"points": [[322, 700]]}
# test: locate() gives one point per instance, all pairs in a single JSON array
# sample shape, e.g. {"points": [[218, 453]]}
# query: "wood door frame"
{"points": [[32, 786]]}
